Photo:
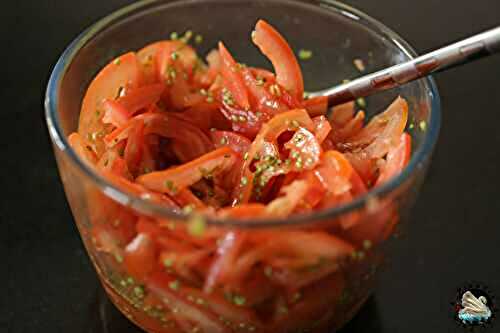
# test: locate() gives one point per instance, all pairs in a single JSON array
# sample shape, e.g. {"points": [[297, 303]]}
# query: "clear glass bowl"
{"points": [[337, 34]]}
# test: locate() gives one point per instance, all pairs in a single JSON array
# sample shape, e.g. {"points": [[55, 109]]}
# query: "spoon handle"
{"points": [[465, 51]]}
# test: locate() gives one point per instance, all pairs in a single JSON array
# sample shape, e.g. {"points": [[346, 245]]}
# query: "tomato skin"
{"points": [[122, 73], [286, 66], [233, 79], [173, 179], [140, 256], [160, 283], [397, 158], [236, 142]]}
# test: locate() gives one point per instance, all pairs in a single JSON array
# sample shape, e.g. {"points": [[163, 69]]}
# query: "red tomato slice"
{"points": [[236, 315], [195, 142], [122, 73], [321, 128], [335, 172], [119, 111], [205, 116], [397, 158], [140, 256], [221, 269], [161, 283], [236, 142], [176, 178], [233, 79], [285, 205], [343, 113], [311, 308], [275, 47], [305, 150], [114, 113], [383, 131], [135, 147], [84, 152], [243, 211], [148, 54], [269, 133], [316, 106], [186, 197]]}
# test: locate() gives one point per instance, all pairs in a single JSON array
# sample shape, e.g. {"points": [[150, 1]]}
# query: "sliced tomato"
{"points": [[397, 158], [196, 142], [147, 57], [205, 116], [365, 166], [305, 150], [233, 79], [321, 128], [343, 113], [135, 147], [268, 134], [221, 269], [160, 284], [308, 311], [114, 113], [122, 73], [174, 179], [243, 211], [383, 130], [335, 172], [240, 317], [84, 152], [316, 106], [236, 142], [120, 110], [140, 256], [375, 225], [286, 66], [285, 205], [186, 197]]}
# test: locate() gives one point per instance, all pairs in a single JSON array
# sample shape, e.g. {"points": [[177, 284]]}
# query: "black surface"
{"points": [[454, 236]]}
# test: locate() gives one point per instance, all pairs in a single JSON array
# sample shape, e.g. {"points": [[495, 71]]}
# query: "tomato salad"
{"points": [[226, 140]]}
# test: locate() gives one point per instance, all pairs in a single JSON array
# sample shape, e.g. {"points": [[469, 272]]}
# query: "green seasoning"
{"points": [[174, 285], [305, 54], [361, 102], [239, 300], [174, 35], [422, 125], [170, 186], [196, 226]]}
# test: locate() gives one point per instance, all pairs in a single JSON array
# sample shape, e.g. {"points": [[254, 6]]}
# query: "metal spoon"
{"points": [[465, 51]]}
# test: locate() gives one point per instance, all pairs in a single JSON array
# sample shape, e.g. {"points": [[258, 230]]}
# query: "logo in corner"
{"points": [[474, 306]]}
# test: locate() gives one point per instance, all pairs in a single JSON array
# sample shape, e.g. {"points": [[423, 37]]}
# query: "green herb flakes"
{"points": [[239, 300], [361, 102], [168, 262], [422, 125], [198, 39], [174, 36], [196, 226], [170, 186], [174, 285], [305, 54]]}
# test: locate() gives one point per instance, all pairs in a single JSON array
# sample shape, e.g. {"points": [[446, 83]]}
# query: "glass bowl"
{"points": [[326, 295]]}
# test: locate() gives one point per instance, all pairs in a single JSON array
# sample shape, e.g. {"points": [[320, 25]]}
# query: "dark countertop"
{"points": [[454, 234]]}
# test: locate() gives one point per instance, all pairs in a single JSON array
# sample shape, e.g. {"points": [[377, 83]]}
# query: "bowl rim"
{"points": [[418, 158]]}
